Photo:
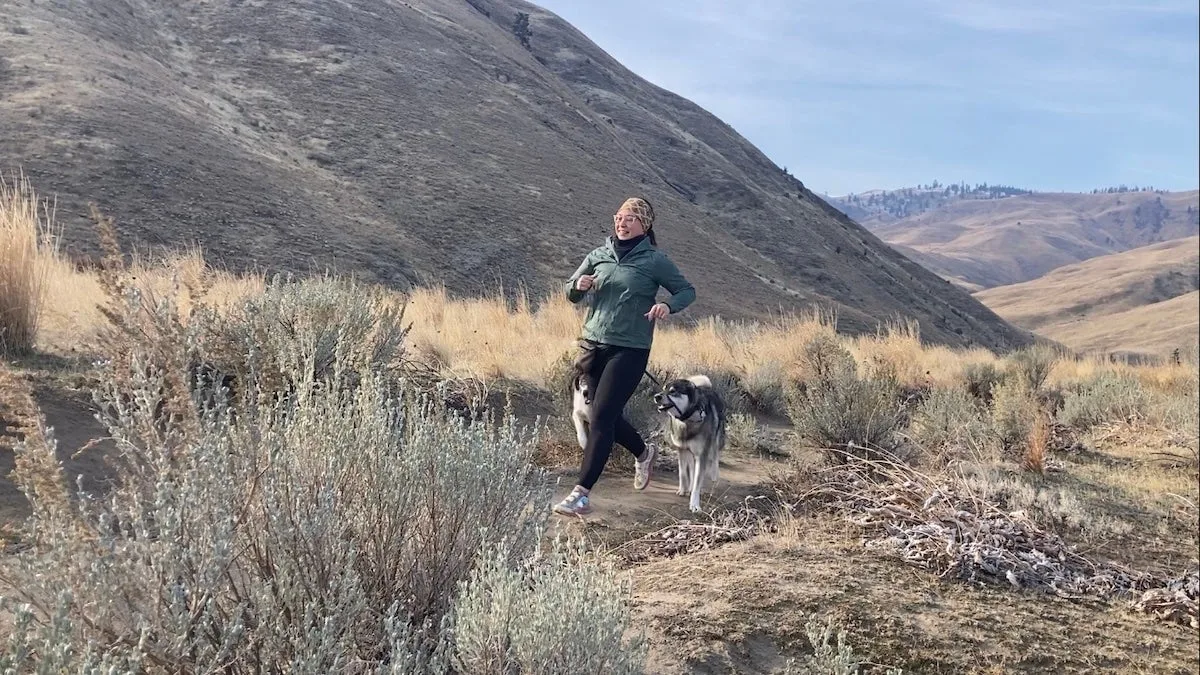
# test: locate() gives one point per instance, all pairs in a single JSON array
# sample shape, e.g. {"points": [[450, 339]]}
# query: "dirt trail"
{"points": [[619, 512], [70, 415]]}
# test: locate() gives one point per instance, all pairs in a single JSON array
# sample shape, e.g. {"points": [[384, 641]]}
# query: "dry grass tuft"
{"points": [[28, 254], [1037, 447]]}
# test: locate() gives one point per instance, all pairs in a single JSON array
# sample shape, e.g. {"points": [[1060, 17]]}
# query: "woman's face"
{"points": [[627, 225]]}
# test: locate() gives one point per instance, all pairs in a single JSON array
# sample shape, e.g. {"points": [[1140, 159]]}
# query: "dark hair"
{"points": [[650, 232]]}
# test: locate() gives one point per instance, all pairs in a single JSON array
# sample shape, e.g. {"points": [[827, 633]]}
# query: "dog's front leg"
{"points": [[685, 468], [697, 473]]}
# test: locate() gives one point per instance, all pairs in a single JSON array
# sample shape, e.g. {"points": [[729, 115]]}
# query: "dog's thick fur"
{"points": [[696, 430], [581, 408]]}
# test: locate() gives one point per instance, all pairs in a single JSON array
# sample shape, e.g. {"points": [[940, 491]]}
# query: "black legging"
{"points": [[615, 372]]}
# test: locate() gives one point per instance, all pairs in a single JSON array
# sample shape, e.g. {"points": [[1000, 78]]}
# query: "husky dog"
{"points": [[581, 408], [696, 429]]}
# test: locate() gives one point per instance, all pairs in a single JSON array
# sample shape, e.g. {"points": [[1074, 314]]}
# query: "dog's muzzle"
{"points": [[664, 403]]}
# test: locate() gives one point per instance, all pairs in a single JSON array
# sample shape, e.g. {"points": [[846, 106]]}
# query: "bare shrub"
{"points": [[940, 524], [28, 249], [1109, 397], [838, 410]]}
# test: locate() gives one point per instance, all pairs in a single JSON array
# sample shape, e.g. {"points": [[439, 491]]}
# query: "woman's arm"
{"points": [[682, 292], [574, 295]]}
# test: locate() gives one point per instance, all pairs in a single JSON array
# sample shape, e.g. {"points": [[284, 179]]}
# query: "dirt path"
{"points": [[621, 513], [70, 414]]}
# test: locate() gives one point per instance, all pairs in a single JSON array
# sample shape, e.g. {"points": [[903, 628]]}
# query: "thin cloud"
{"points": [[859, 95]]}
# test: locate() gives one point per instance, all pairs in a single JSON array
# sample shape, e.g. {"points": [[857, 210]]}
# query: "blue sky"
{"points": [[851, 96]]}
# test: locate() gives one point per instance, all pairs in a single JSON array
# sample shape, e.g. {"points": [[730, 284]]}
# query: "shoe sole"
{"points": [[569, 512]]}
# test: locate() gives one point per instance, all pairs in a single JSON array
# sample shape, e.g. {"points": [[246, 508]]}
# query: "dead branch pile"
{"points": [[1174, 602], [938, 525], [685, 536]]}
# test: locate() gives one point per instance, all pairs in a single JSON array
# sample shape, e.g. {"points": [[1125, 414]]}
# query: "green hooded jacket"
{"points": [[625, 290]]}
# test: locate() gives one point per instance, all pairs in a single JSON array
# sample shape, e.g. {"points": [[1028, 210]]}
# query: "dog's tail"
{"points": [[700, 381]]}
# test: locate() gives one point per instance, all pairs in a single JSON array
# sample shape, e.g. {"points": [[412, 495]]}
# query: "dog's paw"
{"points": [[681, 492]]}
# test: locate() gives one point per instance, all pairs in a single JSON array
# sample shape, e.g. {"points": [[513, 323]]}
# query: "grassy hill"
{"points": [[419, 143], [987, 242], [1141, 300]]}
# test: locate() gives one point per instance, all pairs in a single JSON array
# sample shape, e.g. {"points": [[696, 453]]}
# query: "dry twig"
{"points": [[938, 525]]}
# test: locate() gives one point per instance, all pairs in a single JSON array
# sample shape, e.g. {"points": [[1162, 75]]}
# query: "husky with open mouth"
{"points": [[696, 430]]}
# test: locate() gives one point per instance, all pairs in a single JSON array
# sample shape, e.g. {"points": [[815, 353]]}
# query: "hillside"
{"points": [[1143, 300], [982, 243], [417, 143]]}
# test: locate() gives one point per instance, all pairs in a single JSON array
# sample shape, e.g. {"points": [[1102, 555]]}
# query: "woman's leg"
{"points": [[616, 382]]}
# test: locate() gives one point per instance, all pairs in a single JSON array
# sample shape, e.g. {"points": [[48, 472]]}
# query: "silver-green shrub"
{"points": [[1108, 397], [1032, 365], [839, 410], [950, 422], [546, 618], [326, 530]]}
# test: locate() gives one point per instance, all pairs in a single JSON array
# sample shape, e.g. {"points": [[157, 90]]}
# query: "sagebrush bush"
{"points": [[323, 531], [950, 423], [763, 389], [743, 432], [311, 328], [838, 410], [832, 653], [1014, 408], [545, 618], [1109, 397], [1032, 365], [1061, 507], [981, 379]]}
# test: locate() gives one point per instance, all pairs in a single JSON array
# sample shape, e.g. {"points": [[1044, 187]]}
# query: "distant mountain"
{"points": [[877, 207], [478, 144], [1141, 300], [983, 242]]}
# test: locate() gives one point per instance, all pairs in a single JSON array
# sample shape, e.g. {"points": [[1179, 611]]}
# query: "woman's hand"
{"points": [[658, 311], [585, 282]]}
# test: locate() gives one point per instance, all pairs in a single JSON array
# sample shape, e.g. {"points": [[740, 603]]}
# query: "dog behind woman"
{"points": [[695, 430]]}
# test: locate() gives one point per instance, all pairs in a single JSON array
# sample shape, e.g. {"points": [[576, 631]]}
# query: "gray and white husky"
{"points": [[581, 408], [696, 430]]}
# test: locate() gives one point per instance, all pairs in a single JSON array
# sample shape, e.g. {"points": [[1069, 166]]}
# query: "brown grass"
{"points": [[493, 338], [28, 252], [1037, 447]]}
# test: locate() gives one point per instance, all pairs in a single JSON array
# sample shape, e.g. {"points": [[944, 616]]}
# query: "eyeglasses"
{"points": [[625, 216]]}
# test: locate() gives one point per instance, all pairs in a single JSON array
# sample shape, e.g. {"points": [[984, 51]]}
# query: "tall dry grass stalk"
{"points": [[28, 252], [1037, 446]]}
